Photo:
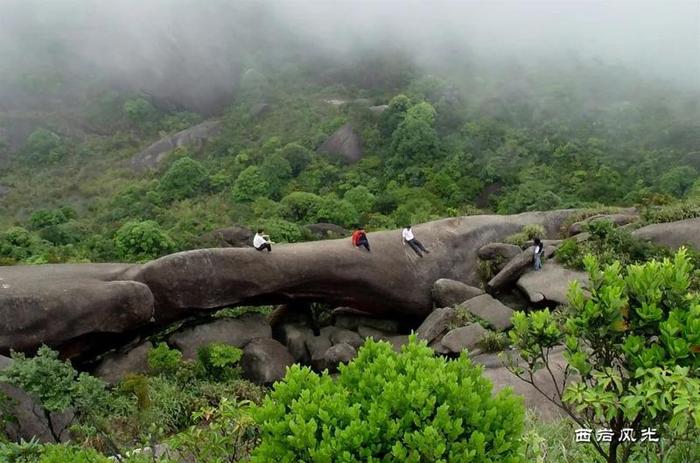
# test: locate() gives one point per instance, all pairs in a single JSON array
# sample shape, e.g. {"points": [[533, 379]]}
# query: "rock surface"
{"points": [[324, 231], [117, 365], [317, 347], [504, 251], [294, 336], [673, 235], [235, 236], [617, 219], [490, 310], [341, 336], [265, 361], [31, 420], [551, 283], [369, 332], [81, 308], [449, 293], [234, 331], [154, 155], [344, 143], [337, 354], [436, 324], [464, 337], [534, 400], [515, 267]]}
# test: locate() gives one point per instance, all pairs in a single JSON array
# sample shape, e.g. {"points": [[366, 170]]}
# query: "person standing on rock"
{"points": [[262, 241], [359, 238], [408, 238], [538, 252]]}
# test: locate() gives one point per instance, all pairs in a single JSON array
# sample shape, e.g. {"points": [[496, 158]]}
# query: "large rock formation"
{"points": [[152, 156], [551, 283], [344, 143], [448, 293], [75, 307], [673, 234]]}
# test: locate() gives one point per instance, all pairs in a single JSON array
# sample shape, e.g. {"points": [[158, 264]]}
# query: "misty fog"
{"points": [[198, 49]]}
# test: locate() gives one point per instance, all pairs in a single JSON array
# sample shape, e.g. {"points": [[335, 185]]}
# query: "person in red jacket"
{"points": [[359, 238]]}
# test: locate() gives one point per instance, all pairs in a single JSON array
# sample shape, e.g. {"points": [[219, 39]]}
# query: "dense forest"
{"points": [[292, 124]]}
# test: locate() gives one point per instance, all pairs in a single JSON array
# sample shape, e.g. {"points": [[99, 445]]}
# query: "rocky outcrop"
{"points": [[502, 251], [448, 293], [83, 308], [464, 337], [436, 324], [551, 283], [154, 155], [369, 332], [265, 361], [235, 236], [324, 231], [337, 354], [516, 267], [71, 307], [294, 336], [616, 219], [317, 347], [234, 331], [672, 235], [352, 320], [534, 400], [342, 336], [491, 310], [117, 365], [344, 143], [31, 421]]}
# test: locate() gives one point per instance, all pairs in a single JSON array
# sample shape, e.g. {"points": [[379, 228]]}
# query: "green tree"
{"points": [[678, 180], [386, 406], [633, 348], [185, 178], [361, 198], [250, 185], [141, 113], [138, 241], [301, 206], [414, 142], [43, 145], [277, 172], [297, 156]]}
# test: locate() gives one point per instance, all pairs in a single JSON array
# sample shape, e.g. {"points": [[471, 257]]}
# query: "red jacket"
{"points": [[356, 236]]}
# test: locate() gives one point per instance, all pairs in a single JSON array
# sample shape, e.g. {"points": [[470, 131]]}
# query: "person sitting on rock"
{"points": [[359, 238], [538, 253], [408, 238], [262, 241]]}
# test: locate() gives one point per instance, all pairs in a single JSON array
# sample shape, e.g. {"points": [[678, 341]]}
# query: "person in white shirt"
{"points": [[262, 241], [538, 252], [408, 238]]}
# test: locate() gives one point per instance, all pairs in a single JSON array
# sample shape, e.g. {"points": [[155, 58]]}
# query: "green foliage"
{"points": [[141, 113], [528, 233], [494, 341], [185, 178], [17, 244], [297, 156], [678, 180], [225, 433], [282, 231], [384, 406], [250, 184], [634, 341], [608, 244], [44, 146], [164, 360], [301, 206], [220, 361], [137, 241], [360, 198], [414, 142]]}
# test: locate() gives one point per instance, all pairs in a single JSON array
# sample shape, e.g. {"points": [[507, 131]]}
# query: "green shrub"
{"points": [[185, 178], [138, 241], [528, 232], [634, 342], [54, 382], [220, 361], [282, 231], [164, 360], [43, 145], [224, 433], [494, 342], [301, 206], [569, 254], [250, 185], [383, 406]]}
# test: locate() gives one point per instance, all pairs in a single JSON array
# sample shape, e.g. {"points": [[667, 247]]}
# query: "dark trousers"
{"points": [[365, 243], [265, 246], [417, 246]]}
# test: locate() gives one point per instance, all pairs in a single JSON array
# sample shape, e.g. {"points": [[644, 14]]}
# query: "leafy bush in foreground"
{"points": [[634, 344], [383, 406]]}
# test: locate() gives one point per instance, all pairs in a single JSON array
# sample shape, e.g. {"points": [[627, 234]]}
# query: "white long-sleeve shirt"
{"points": [[407, 234], [258, 240]]}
